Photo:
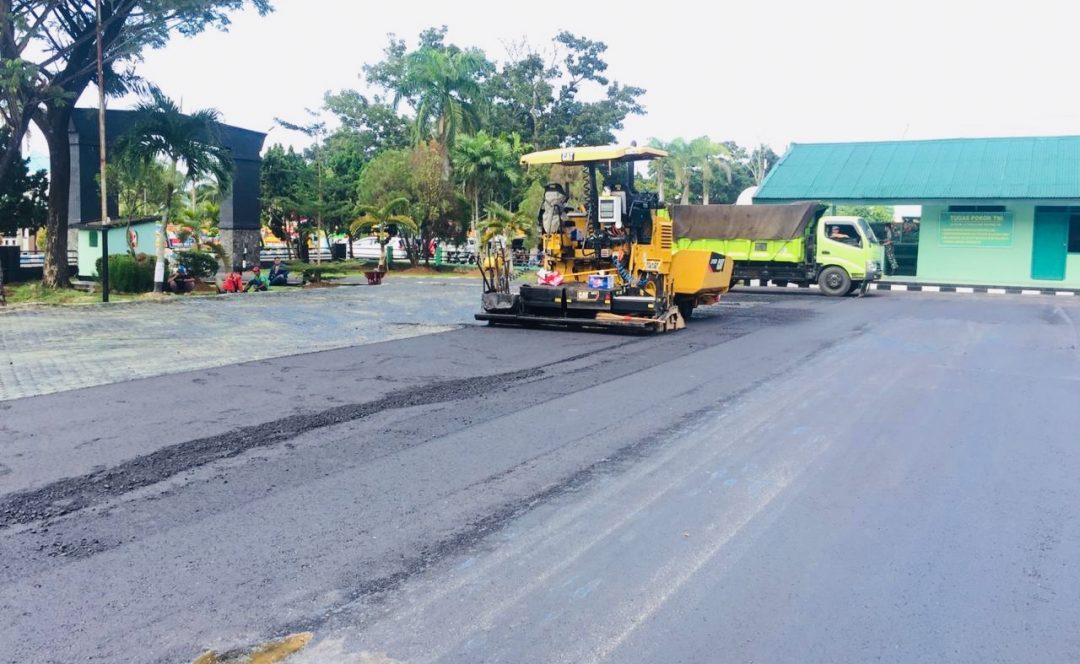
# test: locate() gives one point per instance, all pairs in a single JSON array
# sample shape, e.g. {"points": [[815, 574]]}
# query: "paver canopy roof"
{"points": [[1037, 167], [744, 222], [595, 153]]}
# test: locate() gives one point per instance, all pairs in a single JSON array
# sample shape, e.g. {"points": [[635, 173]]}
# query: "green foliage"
{"points": [[23, 196], [373, 125], [387, 177], [286, 182], [45, 59], [129, 274], [199, 264], [501, 222], [143, 186], [443, 86], [435, 206], [545, 102], [439, 161], [872, 213], [690, 174], [382, 221], [162, 130], [484, 163], [316, 272]]}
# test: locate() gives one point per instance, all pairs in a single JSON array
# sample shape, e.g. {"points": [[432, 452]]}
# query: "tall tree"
{"points": [[542, 95], [679, 165], [48, 58], [374, 125], [444, 88], [760, 162], [22, 196], [482, 162], [286, 186], [436, 207], [161, 130], [316, 129], [710, 157], [343, 161], [381, 220]]}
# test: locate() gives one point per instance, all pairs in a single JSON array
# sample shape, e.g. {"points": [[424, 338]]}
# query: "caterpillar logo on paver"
{"points": [[716, 262]]}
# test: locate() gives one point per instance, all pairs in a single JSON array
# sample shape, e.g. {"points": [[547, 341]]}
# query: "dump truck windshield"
{"points": [[868, 232]]}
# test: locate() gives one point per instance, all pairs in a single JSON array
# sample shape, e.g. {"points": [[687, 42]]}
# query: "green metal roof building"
{"points": [[995, 211]]}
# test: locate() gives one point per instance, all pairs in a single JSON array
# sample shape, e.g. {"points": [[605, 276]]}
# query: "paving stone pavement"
{"points": [[50, 349]]}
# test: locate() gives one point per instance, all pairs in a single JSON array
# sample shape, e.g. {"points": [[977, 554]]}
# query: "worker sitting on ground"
{"points": [[180, 281], [234, 283], [279, 274], [256, 282]]}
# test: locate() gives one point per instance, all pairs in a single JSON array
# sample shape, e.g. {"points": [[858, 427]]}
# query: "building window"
{"points": [[1074, 233], [93, 239]]}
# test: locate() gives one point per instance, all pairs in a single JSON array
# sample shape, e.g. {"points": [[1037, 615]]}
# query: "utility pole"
{"points": [[318, 213], [101, 163]]}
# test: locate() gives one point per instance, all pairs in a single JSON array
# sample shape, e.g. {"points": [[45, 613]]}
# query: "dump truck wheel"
{"points": [[834, 281], [686, 309]]}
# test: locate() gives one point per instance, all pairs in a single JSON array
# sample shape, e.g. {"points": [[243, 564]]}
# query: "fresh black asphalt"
{"points": [[791, 478]]}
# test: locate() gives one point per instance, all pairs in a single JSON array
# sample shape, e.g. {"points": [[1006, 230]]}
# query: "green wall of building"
{"points": [[987, 265], [88, 255]]}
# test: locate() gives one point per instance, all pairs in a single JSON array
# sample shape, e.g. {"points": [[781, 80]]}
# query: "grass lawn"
{"points": [[32, 292]]}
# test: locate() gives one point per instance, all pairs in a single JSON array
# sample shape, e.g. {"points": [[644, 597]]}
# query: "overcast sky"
{"points": [[775, 72]]}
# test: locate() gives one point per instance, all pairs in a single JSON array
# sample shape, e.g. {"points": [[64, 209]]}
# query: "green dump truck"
{"points": [[792, 243]]}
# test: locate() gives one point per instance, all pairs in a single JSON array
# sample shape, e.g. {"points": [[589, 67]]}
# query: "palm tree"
{"points": [[161, 130], [202, 218], [496, 236], [483, 162], [708, 157], [501, 222], [680, 160], [378, 220], [444, 87]]}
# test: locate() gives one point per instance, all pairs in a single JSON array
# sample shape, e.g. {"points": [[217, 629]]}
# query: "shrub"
{"points": [[130, 274], [199, 264], [316, 272]]}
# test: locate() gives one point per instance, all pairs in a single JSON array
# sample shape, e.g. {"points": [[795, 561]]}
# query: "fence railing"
{"points": [[34, 259], [37, 258], [270, 253]]}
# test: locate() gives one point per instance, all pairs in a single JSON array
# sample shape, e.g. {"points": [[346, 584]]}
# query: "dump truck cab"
{"points": [[847, 244], [608, 260]]}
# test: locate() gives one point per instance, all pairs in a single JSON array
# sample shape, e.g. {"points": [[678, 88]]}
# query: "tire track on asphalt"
{"points": [[76, 493], [73, 494]]}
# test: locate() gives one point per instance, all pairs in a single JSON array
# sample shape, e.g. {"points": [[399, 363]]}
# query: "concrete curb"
{"points": [[931, 288]]}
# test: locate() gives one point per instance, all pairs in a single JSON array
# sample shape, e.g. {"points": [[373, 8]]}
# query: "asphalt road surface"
{"points": [[792, 478]]}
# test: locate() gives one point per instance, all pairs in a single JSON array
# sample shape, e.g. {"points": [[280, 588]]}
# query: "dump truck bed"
{"points": [[781, 251], [773, 233]]}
